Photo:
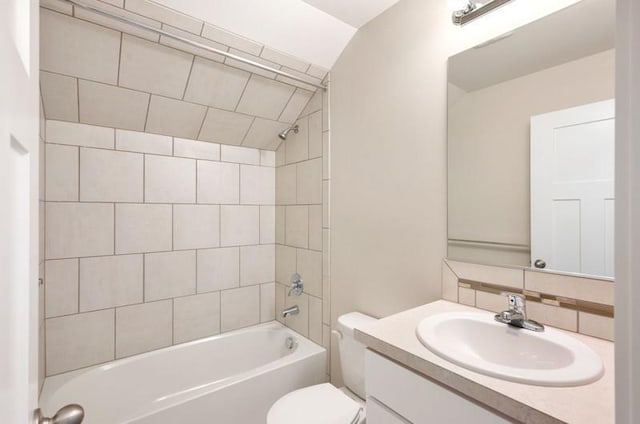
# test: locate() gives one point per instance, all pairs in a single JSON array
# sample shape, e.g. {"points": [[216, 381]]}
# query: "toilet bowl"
{"points": [[325, 403]]}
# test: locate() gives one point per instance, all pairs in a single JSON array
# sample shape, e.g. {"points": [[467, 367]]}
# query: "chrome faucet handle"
{"points": [[516, 315], [516, 302], [297, 286]]}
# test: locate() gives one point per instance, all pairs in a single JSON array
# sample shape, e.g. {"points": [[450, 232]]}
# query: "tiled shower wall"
{"points": [[100, 71], [302, 222], [152, 241]]}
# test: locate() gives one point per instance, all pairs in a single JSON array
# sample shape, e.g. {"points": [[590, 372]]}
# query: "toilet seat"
{"points": [[319, 404]]}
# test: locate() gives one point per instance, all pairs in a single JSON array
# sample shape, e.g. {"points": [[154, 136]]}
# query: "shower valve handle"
{"points": [[297, 287]]}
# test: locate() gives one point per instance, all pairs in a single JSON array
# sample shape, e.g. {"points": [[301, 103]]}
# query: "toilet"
{"points": [[325, 403]]}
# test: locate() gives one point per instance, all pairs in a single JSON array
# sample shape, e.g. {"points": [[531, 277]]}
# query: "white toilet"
{"points": [[324, 403]]}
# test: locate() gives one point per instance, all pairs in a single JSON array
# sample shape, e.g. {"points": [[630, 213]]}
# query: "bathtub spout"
{"points": [[294, 310]]}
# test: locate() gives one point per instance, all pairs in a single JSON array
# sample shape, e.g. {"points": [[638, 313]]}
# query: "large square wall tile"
{"points": [[240, 308], [78, 341], [143, 228], [78, 229], [110, 281], [144, 327]]}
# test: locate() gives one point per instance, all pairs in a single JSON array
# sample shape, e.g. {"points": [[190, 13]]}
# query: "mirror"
{"points": [[531, 145]]}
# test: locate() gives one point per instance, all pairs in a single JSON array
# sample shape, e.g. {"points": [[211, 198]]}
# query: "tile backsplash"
{"points": [[573, 303], [151, 241]]}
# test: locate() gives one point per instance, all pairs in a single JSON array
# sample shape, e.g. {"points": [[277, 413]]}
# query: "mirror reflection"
{"points": [[531, 145]]}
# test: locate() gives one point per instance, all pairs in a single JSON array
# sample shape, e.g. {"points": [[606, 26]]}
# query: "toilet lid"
{"points": [[319, 404]]}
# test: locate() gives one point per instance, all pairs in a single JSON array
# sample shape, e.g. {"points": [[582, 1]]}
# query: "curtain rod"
{"points": [[196, 44]]}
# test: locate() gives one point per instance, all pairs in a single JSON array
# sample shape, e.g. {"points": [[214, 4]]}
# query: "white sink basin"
{"points": [[477, 342]]}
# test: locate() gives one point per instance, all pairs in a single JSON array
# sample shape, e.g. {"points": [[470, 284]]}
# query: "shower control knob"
{"points": [[539, 263], [297, 286], [70, 414]]}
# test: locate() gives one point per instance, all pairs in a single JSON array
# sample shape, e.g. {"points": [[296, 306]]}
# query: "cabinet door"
{"points": [[377, 413], [418, 399]]}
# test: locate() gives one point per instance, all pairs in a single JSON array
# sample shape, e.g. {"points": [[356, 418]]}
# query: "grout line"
{"points": [[144, 178], [293, 93], [244, 89], [260, 303], [173, 321], [246, 134], [144, 277], [78, 285], [115, 332], [79, 187], [172, 228], [186, 85], [204, 119], [77, 97], [165, 155], [197, 279], [114, 228], [239, 184], [220, 310], [146, 119], [119, 60]]}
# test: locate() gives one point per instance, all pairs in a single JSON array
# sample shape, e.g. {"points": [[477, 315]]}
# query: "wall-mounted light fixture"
{"points": [[465, 11]]}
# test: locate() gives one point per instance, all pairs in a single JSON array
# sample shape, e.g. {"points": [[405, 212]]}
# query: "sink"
{"points": [[477, 342]]}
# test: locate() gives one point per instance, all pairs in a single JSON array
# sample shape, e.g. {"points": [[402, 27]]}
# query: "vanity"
{"points": [[407, 383]]}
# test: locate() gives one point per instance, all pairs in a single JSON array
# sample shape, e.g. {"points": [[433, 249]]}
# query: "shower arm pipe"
{"points": [[195, 44]]}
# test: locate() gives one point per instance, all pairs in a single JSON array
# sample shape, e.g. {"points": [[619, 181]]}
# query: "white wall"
{"points": [[388, 158], [388, 199]]}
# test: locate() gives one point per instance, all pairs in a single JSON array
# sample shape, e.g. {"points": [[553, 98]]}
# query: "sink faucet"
{"points": [[294, 310], [516, 314]]}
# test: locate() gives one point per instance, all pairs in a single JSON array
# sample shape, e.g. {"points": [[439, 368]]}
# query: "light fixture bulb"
{"points": [[455, 5]]}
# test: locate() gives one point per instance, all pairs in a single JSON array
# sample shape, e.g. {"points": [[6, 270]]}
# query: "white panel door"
{"points": [[18, 210], [572, 189]]}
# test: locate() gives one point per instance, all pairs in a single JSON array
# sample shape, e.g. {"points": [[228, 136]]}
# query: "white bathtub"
{"points": [[233, 378]]}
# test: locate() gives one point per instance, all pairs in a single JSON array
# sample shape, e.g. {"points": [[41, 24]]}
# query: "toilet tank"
{"points": [[352, 351]]}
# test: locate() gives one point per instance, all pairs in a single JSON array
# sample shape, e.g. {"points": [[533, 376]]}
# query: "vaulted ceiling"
{"points": [[314, 30]]}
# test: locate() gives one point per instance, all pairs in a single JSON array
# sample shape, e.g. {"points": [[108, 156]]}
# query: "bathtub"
{"points": [[233, 378]]}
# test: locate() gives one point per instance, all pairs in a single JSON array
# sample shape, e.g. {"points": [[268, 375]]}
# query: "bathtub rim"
{"points": [[306, 348]]}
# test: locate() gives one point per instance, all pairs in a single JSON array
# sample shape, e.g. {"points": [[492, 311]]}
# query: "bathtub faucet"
{"points": [[294, 310]]}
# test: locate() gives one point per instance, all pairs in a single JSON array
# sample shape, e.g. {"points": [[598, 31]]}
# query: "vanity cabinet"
{"points": [[396, 395]]}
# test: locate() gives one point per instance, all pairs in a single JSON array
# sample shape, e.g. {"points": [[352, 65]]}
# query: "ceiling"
{"points": [[353, 12], [313, 30]]}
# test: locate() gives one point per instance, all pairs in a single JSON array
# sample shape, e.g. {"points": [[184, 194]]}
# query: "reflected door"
{"points": [[572, 189]]}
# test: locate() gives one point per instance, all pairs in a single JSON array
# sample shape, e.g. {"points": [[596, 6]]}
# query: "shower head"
{"points": [[283, 135]]}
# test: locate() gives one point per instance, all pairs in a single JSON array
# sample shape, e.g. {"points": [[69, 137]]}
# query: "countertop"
{"points": [[395, 338]]}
